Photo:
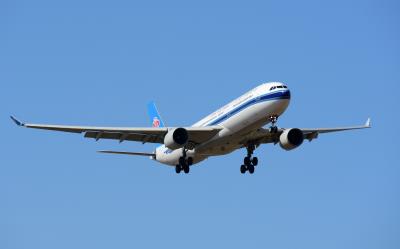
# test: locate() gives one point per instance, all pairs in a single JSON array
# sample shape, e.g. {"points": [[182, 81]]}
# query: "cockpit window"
{"points": [[275, 87]]}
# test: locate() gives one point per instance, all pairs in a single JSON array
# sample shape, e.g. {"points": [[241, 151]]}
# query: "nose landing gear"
{"points": [[273, 119], [249, 162]]}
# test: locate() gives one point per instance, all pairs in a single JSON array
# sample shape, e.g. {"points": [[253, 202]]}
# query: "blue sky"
{"points": [[99, 63]]}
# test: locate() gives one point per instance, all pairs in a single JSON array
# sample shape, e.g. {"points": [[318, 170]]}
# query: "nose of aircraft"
{"points": [[286, 94]]}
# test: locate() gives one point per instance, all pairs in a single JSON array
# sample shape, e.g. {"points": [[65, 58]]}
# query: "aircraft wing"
{"points": [[265, 136], [197, 135]]}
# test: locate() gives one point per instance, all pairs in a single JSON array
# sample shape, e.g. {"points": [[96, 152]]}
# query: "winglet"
{"points": [[16, 121], [368, 123]]}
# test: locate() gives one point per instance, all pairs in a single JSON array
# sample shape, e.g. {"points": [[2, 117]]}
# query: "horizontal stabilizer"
{"points": [[127, 153]]}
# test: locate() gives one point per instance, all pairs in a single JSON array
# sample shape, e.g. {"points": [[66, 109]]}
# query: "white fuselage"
{"points": [[240, 117]]}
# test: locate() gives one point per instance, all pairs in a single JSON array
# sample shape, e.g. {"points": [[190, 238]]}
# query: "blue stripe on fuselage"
{"points": [[253, 101]]}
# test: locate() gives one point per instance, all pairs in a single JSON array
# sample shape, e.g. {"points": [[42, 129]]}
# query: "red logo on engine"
{"points": [[156, 122]]}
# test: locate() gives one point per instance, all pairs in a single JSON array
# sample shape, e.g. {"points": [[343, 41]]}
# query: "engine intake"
{"points": [[176, 138], [291, 139]]}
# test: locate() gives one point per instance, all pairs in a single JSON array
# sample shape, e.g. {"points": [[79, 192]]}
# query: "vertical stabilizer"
{"points": [[155, 118]]}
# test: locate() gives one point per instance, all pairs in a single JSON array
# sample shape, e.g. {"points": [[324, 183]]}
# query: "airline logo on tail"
{"points": [[156, 122], [155, 118]]}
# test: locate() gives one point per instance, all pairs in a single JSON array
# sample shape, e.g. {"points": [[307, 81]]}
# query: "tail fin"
{"points": [[154, 116]]}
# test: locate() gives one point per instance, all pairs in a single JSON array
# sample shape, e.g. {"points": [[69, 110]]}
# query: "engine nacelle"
{"points": [[176, 138], [291, 139]]}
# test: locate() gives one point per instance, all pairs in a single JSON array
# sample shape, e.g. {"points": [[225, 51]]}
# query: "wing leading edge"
{"points": [[265, 136], [326, 130], [139, 134]]}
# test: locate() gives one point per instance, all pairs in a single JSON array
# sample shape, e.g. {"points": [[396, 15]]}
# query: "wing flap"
{"points": [[121, 136]]}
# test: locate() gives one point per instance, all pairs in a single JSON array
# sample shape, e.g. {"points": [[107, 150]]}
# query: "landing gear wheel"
{"points": [[254, 161], [182, 161], [251, 169], [186, 169], [243, 169], [247, 161]]}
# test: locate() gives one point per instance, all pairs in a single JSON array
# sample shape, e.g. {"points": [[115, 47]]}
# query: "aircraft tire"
{"points": [[247, 161], [181, 161], [251, 169], [254, 161], [243, 169], [186, 169]]}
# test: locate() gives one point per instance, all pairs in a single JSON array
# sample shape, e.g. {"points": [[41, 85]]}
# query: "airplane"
{"points": [[239, 124]]}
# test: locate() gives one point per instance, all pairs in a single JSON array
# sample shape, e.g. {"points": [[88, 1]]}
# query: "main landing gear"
{"points": [[249, 162], [184, 163]]}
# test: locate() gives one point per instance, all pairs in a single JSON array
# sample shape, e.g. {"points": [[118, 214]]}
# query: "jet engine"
{"points": [[291, 139], [176, 138]]}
